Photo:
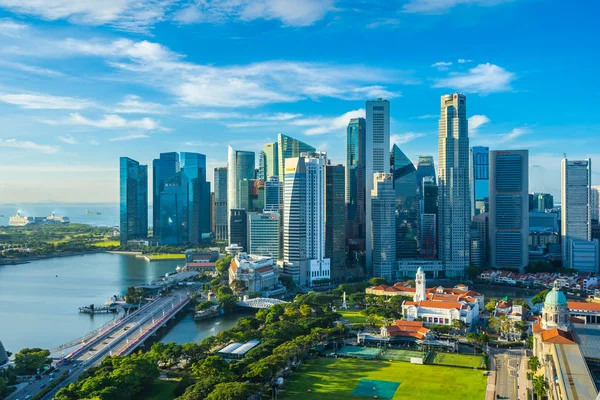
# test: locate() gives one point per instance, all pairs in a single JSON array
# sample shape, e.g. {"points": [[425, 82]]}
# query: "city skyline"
{"points": [[122, 83]]}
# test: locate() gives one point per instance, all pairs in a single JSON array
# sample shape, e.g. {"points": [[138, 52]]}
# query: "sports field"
{"points": [[355, 317], [401, 355], [460, 360], [330, 378]]}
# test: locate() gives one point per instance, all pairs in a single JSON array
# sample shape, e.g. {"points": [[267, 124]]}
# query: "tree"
{"points": [[205, 305], [491, 304], [473, 271], [222, 265], [212, 366], [238, 286], [377, 281], [134, 296], [305, 310], [27, 361], [540, 386], [540, 297], [228, 301], [233, 391], [534, 364]]}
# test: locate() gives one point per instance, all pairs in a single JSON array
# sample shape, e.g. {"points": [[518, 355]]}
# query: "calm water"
{"points": [[39, 309], [76, 212]]}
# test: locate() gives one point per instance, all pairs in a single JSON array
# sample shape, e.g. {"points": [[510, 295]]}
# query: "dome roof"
{"points": [[555, 297]]}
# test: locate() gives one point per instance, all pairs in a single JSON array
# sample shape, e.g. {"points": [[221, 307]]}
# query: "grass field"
{"points": [[160, 390], [461, 360], [401, 355], [330, 378], [108, 243], [166, 256], [355, 317]]}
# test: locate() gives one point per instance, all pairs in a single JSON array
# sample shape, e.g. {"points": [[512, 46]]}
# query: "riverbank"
{"points": [[27, 260]]}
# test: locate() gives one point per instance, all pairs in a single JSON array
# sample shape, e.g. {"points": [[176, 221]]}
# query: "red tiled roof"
{"points": [[580, 305], [402, 328], [440, 304], [267, 268], [557, 336], [201, 264]]}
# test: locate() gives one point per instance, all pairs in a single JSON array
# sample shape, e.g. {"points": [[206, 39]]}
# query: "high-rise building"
{"points": [[429, 214], [383, 240], [509, 209], [240, 166], [193, 166], [543, 201], [288, 147], [454, 215], [162, 169], [271, 160], [576, 218], [262, 166], [479, 179], [133, 204], [304, 219], [377, 146], [272, 188], [257, 195], [221, 218], [407, 204], [263, 234], [174, 218], [594, 202], [355, 184], [425, 168], [481, 228], [238, 227], [244, 200], [335, 217]]}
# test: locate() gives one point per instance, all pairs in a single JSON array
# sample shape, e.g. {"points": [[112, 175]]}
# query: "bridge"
{"points": [[120, 337], [260, 302]]}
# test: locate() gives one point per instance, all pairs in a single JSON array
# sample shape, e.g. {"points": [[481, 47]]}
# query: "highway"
{"points": [[120, 339]]}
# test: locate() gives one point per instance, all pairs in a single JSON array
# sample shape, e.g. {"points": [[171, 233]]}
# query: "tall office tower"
{"points": [[263, 234], [479, 179], [271, 160], [240, 166], [238, 228], [244, 189], [212, 213], [509, 211], [162, 169], [262, 166], [304, 219], [594, 202], [383, 221], [335, 218], [576, 180], [454, 215], [377, 146], [543, 201], [257, 195], [221, 218], [407, 204], [429, 214], [425, 168], [272, 188], [532, 202], [355, 184], [480, 224], [193, 166], [133, 204], [173, 211]]}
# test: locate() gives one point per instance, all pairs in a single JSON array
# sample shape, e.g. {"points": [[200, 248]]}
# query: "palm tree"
{"points": [[534, 364], [540, 386]]}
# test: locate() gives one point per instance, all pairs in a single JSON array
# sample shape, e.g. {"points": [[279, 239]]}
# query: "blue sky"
{"points": [[82, 83]]}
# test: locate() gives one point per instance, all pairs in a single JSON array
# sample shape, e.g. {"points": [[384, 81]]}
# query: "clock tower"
{"points": [[420, 285]]}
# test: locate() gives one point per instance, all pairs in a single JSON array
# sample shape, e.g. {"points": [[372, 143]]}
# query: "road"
{"points": [[121, 339], [510, 367]]}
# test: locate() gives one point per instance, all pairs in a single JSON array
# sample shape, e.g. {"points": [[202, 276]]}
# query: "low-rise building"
{"points": [[402, 329], [257, 273]]}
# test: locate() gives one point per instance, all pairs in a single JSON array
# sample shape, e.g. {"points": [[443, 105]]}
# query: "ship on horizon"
{"points": [[88, 212]]}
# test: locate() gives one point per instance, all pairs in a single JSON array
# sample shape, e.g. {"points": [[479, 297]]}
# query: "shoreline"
{"points": [[27, 260]]}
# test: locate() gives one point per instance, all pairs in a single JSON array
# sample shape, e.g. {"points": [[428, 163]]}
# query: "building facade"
{"points": [[272, 189], [355, 183], [221, 217], [263, 234], [377, 146], [509, 209], [133, 204], [383, 221], [238, 228], [425, 168], [479, 179], [193, 167], [454, 214], [162, 169], [257, 273], [240, 166], [407, 204], [335, 216]]}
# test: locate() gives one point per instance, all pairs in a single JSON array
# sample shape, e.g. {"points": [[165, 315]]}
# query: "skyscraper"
{"points": [[304, 219], [377, 146], [133, 204], [174, 218], [509, 208], [355, 184], [429, 215], [383, 238], [543, 201], [271, 160], [479, 179], [576, 180], [162, 169], [404, 176], [425, 168], [240, 166], [193, 166], [453, 185], [263, 234], [335, 217], [272, 188], [595, 202], [221, 225], [238, 227], [262, 166]]}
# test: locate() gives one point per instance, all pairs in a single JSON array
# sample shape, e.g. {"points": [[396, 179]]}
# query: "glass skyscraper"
{"points": [[335, 218], [133, 205], [271, 160], [384, 235], [162, 169], [355, 184], [272, 188], [193, 166], [238, 228], [407, 203], [425, 168], [479, 179], [174, 217], [221, 225], [240, 166]]}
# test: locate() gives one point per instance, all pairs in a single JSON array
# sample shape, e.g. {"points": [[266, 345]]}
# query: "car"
{"points": [[43, 385], [27, 397]]}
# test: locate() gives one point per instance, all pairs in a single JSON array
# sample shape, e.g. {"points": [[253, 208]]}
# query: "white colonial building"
{"points": [[441, 306], [257, 273]]}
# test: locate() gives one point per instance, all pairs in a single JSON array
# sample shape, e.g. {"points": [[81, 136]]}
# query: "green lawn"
{"points": [[108, 243], [463, 360], [165, 256], [160, 390], [355, 317], [330, 378]]}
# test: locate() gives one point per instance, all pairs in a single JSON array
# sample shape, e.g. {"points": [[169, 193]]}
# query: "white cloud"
{"points": [[140, 52], [248, 124], [129, 137], [133, 104], [464, 61], [484, 78], [404, 138], [384, 22], [475, 122], [442, 6], [94, 142], [30, 69], [11, 28], [442, 65], [127, 15], [516, 133], [322, 125], [374, 92], [426, 116], [69, 139], [46, 102], [290, 13], [110, 121], [223, 116], [28, 145]]}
